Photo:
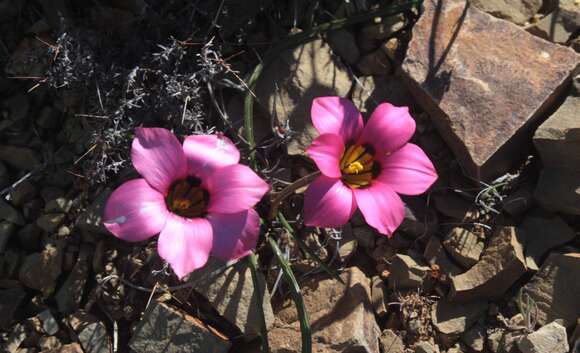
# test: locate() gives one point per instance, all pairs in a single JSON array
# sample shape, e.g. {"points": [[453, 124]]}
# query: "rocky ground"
{"points": [[487, 260]]}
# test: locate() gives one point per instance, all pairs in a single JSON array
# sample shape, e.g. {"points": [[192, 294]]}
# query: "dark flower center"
{"points": [[187, 198], [358, 166]]}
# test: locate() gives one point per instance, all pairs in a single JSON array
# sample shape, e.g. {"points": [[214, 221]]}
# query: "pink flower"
{"points": [[363, 166], [196, 196]]}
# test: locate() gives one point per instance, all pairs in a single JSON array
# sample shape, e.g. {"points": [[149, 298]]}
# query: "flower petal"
{"points": [[326, 151], [234, 189], [205, 153], [328, 203], [407, 171], [185, 243], [234, 235], [135, 211], [336, 115], [388, 128], [381, 207], [158, 157]]}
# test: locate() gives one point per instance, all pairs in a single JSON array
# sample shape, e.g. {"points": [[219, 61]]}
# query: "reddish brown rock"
{"points": [[501, 264], [484, 81]]}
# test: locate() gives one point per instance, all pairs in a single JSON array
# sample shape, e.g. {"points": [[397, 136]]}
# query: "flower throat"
{"points": [[187, 198], [358, 166]]}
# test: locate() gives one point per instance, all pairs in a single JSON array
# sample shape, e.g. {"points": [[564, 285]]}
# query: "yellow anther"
{"points": [[354, 168]]}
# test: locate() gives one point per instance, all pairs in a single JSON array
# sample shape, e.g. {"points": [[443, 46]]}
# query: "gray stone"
{"points": [[29, 237], [406, 272], [17, 336], [10, 300], [391, 343], [365, 235], [484, 90], [40, 270], [69, 296], [558, 138], [347, 245], [233, 295], [10, 214], [426, 347], [372, 35], [560, 25], [167, 329], [7, 230], [67, 348], [555, 287], [369, 91], [341, 317], [375, 63], [49, 324], [464, 246], [91, 220], [501, 264], [343, 43], [474, 338], [22, 193], [517, 203], [50, 193], [558, 190], [21, 158], [58, 205], [452, 319], [550, 338], [49, 222], [91, 333], [289, 84], [542, 234], [516, 11], [435, 254], [378, 292], [49, 343]]}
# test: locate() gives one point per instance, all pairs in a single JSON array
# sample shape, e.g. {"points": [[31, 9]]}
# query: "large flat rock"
{"points": [[484, 81]]}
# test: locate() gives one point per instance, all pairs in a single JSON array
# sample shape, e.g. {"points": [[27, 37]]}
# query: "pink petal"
{"points": [[234, 189], [234, 235], [407, 171], [135, 211], [158, 157], [381, 207], [205, 153], [326, 151], [185, 243], [388, 128], [328, 203], [338, 116]]}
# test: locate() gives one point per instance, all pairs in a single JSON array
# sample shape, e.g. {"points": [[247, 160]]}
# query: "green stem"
{"points": [[253, 264], [296, 296], [289, 190]]}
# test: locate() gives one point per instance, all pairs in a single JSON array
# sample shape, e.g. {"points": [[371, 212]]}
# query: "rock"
{"points": [[21, 158], [494, 338], [558, 190], [371, 36], [406, 272], [7, 230], [10, 214], [560, 25], [365, 235], [456, 207], [4, 177], [343, 43], [378, 292], [558, 138], [375, 63], [290, 83], [49, 193], [474, 338], [452, 319], [391, 343], [49, 324], [393, 49], [550, 338], [369, 91], [58, 205], [67, 348], [484, 90], [232, 295], [91, 220], [516, 11], [517, 203], [69, 296], [31, 57], [10, 300], [464, 246], [17, 336], [48, 343], [29, 237], [501, 264], [543, 233], [22, 193], [341, 317], [347, 245], [39, 271], [419, 220], [167, 329], [49, 222], [91, 333], [435, 255], [426, 347], [555, 287]]}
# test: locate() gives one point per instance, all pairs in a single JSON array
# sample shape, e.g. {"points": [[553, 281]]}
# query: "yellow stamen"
{"points": [[356, 165]]}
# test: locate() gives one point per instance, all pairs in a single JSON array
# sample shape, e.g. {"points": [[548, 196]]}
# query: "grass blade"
{"points": [[296, 296], [253, 264]]}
